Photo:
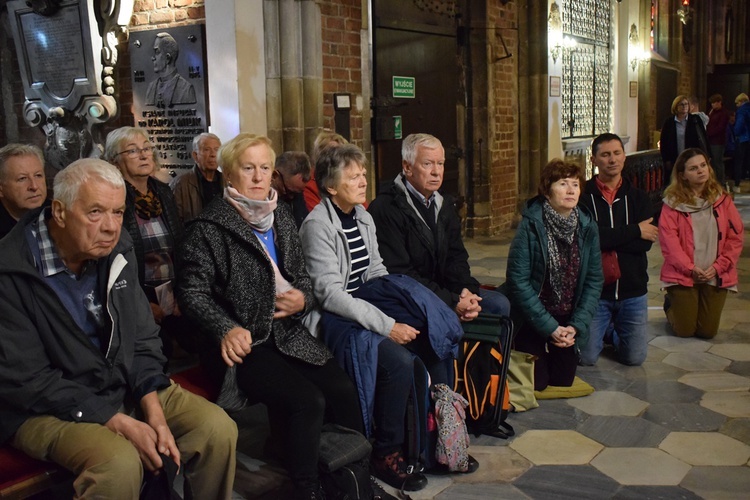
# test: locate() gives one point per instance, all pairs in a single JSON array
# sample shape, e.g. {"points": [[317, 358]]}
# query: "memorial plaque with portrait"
{"points": [[169, 90]]}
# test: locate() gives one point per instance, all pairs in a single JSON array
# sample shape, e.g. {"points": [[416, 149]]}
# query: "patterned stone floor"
{"points": [[677, 427]]}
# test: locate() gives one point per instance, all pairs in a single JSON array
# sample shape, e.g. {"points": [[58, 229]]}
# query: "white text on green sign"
{"points": [[404, 87]]}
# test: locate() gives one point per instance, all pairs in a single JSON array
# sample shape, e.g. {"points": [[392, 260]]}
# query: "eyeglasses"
{"points": [[136, 152], [684, 104]]}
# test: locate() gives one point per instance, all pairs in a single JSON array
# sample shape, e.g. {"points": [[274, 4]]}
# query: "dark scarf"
{"points": [[561, 234], [147, 206]]}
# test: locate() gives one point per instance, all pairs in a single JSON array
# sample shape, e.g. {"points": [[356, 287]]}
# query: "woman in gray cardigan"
{"points": [[341, 254]]}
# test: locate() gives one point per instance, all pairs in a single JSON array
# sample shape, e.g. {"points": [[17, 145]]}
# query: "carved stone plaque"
{"points": [[169, 90]]}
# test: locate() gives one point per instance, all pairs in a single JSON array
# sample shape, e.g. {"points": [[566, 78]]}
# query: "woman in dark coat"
{"points": [[680, 131], [151, 220], [555, 276], [242, 280]]}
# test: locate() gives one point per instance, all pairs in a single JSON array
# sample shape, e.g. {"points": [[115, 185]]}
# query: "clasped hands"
{"points": [[468, 306], [238, 342], [563, 336], [701, 276]]}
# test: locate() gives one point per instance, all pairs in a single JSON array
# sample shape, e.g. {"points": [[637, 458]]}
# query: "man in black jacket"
{"points": [[625, 218], [82, 378], [419, 232]]}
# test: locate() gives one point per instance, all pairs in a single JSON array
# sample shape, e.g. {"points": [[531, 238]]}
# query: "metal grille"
{"points": [[587, 75]]}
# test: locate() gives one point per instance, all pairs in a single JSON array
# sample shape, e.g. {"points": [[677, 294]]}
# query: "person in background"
{"points": [[716, 130], [742, 140], [324, 139], [419, 232], [293, 171], [154, 225], [624, 215], [194, 190], [700, 232], [82, 380], [23, 185], [680, 131], [554, 276], [242, 281]]}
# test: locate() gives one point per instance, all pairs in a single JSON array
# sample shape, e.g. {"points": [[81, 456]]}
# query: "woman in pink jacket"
{"points": [[700, 232]]}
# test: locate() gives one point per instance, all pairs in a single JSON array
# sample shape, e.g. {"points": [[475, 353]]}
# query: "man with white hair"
{"points": [[419, 232], [23, 185], [82, 378], [195, 189]]}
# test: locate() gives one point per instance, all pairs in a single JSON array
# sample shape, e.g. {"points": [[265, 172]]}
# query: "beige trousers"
{"points": [[109, 467]]}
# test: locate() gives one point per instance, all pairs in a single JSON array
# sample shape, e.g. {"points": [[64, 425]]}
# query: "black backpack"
{"points": [[481, 374]]}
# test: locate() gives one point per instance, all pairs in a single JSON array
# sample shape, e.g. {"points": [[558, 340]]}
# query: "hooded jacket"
{"points": [[678, 246], [619, 231], [407, 245], [48, 365], [527, 269]]}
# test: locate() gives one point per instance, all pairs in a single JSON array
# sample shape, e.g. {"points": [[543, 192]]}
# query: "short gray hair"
{"points": [[118, 136], [14, 149], [198, 139], [331, 163], [413, 142], [69, 180]]}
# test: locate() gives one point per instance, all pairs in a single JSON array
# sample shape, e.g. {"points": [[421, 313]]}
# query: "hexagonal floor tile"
{"points": [[661, 492], [678, 344], [718, 483], [553, 414], [496, 465], [706, 448], [610, 403], [564, 482], [663, 391], [480, 491], [737, 428], [684, 417], [643, 466], [696, 361], [735, 352], [716, 381], [731, 404], [623, 432], [556, 447], [739, 368]]}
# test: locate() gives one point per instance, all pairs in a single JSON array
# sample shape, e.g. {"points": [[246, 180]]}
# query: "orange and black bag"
{"points": [[481, 373]]}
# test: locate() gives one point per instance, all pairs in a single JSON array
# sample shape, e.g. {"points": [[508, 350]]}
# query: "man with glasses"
{"points": [[681, 131], [194, 190]]}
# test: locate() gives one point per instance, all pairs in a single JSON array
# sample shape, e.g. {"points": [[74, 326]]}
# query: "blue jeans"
{"points": [[494, 302], [628, 319]]}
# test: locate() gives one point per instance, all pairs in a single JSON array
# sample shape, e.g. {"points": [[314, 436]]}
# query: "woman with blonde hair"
{"points": [[700, 232], [242, 280], [681, 130]]}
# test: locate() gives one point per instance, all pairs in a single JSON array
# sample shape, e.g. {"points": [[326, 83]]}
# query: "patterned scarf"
{"points": [[561, 233], [147, 206], [257, 213]]}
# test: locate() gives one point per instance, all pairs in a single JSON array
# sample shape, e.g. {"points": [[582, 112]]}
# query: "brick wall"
{"points": [[503, 112], [341, 22]]}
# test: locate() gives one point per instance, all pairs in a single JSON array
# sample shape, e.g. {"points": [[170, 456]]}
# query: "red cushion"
{"points": [[16, 466], [197, 382]]}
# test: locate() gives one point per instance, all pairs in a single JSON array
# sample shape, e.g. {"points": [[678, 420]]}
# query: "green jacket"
{"points": [[527, 267]]}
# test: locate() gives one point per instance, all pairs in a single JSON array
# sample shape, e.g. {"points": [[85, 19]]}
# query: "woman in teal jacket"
{"points": [[554, 276]]}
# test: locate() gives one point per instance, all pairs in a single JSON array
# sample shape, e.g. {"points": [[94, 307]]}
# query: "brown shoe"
{"points": [[392, 470]]}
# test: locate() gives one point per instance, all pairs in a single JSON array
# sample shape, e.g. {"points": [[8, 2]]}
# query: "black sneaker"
{"points": [[392, 470], [378, 493], [442, 469]]}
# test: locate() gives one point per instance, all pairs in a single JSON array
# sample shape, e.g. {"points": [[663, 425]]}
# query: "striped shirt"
{"points": [[360, 257]]}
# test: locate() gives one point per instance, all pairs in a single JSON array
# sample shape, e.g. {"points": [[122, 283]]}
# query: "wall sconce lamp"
{"points": [[555, 39], [637, 55], [685, 12]]}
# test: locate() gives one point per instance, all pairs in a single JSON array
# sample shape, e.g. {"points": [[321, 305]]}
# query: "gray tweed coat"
{"points": [[225, 279]]}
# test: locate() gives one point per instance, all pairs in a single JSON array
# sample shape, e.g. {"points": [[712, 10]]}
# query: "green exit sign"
{"points": [[404, 87]]}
